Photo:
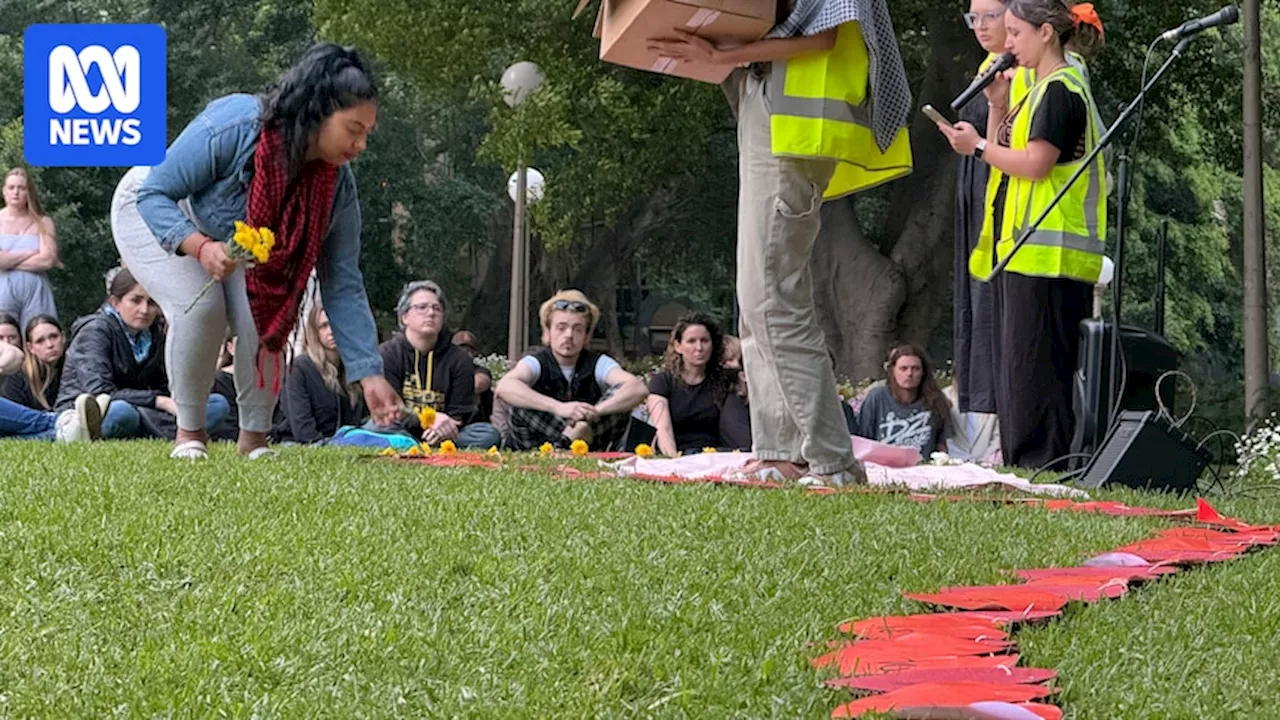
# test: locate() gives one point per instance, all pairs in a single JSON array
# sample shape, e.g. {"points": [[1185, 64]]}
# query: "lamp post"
{"points": [[518, 82]]}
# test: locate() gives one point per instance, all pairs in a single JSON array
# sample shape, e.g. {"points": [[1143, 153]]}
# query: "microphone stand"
{"points": [[1122, 197]]}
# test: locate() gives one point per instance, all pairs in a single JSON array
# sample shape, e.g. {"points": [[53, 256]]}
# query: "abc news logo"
{"points": [[69, 89], [94, 95]]}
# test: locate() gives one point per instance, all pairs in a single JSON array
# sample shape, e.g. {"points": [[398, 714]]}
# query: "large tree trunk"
{"points": [[489, 309], [858, 292], [868, 296], [596, 273], [599, 272]]}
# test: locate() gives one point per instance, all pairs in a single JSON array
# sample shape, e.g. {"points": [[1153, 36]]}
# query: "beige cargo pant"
{"points": [[795, 406]]}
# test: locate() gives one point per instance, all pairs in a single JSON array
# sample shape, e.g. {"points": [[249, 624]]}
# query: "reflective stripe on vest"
{"points": [[1069, 243], [819, 109]]}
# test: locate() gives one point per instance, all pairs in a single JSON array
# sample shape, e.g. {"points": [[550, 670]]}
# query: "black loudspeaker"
{"points": [[1145, 357], [1146, 452]]}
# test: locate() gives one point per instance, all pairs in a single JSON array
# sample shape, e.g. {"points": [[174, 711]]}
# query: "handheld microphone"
{"points": [[1228, 15], [999, 65]]}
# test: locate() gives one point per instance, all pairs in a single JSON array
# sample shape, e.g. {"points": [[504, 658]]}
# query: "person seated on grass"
{"points": [[316, 402], [686, 395], [484, 379], [117, 355], [565, 392], [735, 416], [81, 422], [909, 410], [10, 331], [36, 385], [11, 358], [430, 371]]}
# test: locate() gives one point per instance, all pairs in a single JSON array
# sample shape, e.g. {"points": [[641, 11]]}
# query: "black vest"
{"points": [[581, 388]]}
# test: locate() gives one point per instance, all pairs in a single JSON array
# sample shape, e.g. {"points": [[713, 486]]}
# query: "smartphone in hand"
{"points": [[936, 116]]}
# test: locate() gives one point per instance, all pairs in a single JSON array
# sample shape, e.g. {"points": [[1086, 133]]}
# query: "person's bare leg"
{"points": [[250, 441], [186, 436]]}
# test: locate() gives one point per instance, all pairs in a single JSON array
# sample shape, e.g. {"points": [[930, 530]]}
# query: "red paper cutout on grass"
{"points": [[888, 626], [988, 676], [881, 667], [942, 695], [1096, 574], [849, 658], [997, 597]]}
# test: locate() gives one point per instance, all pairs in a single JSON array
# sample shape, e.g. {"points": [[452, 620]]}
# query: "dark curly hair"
{"points": [[721, 381], [326, 79]]}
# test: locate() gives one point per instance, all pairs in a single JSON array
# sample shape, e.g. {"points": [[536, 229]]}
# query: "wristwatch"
{"points": [[980, 148]]}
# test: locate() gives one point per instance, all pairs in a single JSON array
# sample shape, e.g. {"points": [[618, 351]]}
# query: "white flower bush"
{"points": [[1258, 453]]}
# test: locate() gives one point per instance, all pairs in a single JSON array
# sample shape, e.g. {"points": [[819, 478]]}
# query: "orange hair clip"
{"points": [[1085, 14]]}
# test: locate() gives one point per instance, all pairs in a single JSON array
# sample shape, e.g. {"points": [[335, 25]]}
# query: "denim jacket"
{"points": [[210, 165]]}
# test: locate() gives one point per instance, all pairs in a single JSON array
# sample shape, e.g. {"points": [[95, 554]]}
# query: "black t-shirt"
{"points": [[1062, 119], [695, 417]]}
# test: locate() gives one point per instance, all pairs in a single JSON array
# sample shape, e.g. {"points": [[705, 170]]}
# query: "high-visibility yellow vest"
{"points": [[820, 109], [1068, 244]]}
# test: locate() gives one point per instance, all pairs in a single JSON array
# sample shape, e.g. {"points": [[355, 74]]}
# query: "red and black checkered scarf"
{"points": [[299, 216]]}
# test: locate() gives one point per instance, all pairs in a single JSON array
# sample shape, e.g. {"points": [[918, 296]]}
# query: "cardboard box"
{"points": [[625, 26]]}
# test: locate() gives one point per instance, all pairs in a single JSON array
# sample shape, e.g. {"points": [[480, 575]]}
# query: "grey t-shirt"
{"points": [[882, 418]]}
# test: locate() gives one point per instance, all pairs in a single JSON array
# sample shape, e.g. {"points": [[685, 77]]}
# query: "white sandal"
{"points": [[262, 453], [190, 450]]}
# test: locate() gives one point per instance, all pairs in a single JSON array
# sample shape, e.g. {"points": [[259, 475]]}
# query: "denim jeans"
{"points": [[122, 420], [481, 435], [20, 421]]}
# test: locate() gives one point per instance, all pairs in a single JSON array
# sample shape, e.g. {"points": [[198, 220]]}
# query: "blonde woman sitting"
{"points": [[316, 402]]}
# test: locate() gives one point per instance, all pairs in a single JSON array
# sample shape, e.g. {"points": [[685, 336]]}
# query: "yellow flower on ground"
{"points": [[389, 452], [427, 418], [448, 448], [414, 452], [643, 450], [708, 450], [494, 451], [426, 450], [579, 447], [546, 449]]}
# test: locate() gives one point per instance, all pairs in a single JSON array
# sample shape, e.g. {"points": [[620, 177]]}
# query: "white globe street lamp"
{"points": [[518, 83]]}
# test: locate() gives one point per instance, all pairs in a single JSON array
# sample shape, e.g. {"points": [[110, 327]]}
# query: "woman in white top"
{"points": [[28, 249]]}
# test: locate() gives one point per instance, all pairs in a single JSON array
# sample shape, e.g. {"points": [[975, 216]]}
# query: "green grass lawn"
{"points": [[326, 584]]}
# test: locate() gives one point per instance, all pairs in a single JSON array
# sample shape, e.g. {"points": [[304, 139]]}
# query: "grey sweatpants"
{"points": [[195, 339], [795, 406]]}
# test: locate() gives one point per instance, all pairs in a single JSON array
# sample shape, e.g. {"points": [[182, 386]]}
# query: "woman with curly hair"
{"points": [[279, 160], [686, 396]]}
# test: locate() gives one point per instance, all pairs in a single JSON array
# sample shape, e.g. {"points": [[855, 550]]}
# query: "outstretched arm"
{"points": [[689, 47]]}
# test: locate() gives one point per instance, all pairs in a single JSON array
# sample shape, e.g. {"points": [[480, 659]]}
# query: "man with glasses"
{"points": [[564, 392], [430, 371]]}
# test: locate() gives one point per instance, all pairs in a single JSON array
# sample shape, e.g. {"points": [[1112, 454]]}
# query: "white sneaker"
{"points": [[80, 424], [104, 403], [845, 478]]}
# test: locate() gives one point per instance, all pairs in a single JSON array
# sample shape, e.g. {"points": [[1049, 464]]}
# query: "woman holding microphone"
{"points": [[1033, 146]]}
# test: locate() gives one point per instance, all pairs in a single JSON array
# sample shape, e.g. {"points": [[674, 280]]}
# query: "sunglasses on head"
{"points": [[570, 305]]}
